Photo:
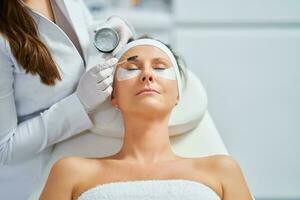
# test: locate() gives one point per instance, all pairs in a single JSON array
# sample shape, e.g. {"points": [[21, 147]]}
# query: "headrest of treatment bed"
{"points": [[184, 117]]}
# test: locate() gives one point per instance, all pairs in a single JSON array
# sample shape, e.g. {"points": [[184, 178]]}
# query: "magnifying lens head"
{"points": [[106, 39]]}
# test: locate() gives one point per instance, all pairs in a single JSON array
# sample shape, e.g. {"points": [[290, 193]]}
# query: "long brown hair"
{"points": [[19, 28]]}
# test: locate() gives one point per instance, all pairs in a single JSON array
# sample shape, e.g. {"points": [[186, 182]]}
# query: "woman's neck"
{"points": [[41, 6], [146, 141]]}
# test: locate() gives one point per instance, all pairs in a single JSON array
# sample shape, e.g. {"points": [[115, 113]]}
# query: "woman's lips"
{"points": [[147, 91]]}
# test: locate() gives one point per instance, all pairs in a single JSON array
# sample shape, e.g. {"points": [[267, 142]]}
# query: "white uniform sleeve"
{"points": [[20, 141]]}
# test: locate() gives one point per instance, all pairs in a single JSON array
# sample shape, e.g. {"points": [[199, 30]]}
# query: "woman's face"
{"points": [[146, 72]]}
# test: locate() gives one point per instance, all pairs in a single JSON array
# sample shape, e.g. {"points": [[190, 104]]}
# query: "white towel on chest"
{"points": [[151, 190]]}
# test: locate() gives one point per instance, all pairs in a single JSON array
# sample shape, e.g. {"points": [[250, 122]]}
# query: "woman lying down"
{"points": [[147, 86]]}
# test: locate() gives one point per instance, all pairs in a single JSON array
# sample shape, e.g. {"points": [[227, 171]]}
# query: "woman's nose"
{"points": [[146, 76]]}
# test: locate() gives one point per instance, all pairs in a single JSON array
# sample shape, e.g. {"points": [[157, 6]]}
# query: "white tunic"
{"points": [[34, 116], [151, 190]]}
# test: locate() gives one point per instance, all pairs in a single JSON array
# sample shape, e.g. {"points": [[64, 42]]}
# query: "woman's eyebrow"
{"points": [[132, 58], [161, 60], [129, 59], [135, 59]]}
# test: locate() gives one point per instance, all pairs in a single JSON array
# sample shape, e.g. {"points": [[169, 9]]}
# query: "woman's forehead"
{"points": [[145, 52]]}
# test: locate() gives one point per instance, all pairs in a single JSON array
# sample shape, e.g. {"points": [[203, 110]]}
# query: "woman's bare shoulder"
{"points": [[64, 175], [79, 165], [225, 165], [217, 162], [228, 171], [222, 167], [69, 167]]}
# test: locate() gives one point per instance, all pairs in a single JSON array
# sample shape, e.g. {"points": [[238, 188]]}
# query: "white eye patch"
{"points": [[125, 74], [167, 73]]}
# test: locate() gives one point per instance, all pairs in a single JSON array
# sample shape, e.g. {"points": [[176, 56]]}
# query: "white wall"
{"points": [[247, 54]]}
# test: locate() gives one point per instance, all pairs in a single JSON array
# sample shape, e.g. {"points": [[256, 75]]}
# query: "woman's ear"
{"points": [[177, 100], [113, 101]]}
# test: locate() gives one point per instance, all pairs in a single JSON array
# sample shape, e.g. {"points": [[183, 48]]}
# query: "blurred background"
{"points": [[247, 55]]}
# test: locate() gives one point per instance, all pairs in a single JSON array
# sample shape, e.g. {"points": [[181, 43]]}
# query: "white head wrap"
{"points": [[159, 45]]}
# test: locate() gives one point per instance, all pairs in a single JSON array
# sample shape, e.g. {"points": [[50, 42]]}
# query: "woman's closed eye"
{"points": [[131, 69], [160, 67], [157, 67]]}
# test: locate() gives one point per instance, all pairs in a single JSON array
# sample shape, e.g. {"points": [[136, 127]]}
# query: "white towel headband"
{"points": [[161, 46]]}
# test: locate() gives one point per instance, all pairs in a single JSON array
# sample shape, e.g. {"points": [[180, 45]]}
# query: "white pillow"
{"points": [[184, 117]]}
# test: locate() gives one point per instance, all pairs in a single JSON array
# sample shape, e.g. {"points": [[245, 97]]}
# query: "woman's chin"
{"points": [[148, 105]]}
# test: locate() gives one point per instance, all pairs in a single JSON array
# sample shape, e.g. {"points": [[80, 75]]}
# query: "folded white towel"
{"points": [[175, 189]]}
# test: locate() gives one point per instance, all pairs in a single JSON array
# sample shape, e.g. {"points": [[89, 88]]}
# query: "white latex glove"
{"points": [[95, 85], [123, 28]]}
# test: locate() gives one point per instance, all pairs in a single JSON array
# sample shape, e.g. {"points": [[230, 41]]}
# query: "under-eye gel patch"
{"points": [[125, 74], [167, 73]]}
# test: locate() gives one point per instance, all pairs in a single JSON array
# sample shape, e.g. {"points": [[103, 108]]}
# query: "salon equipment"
{"points": [[106, 39]]}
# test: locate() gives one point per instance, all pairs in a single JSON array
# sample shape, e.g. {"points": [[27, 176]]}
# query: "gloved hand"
{"points": [[123, 28], [95, 85]]}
